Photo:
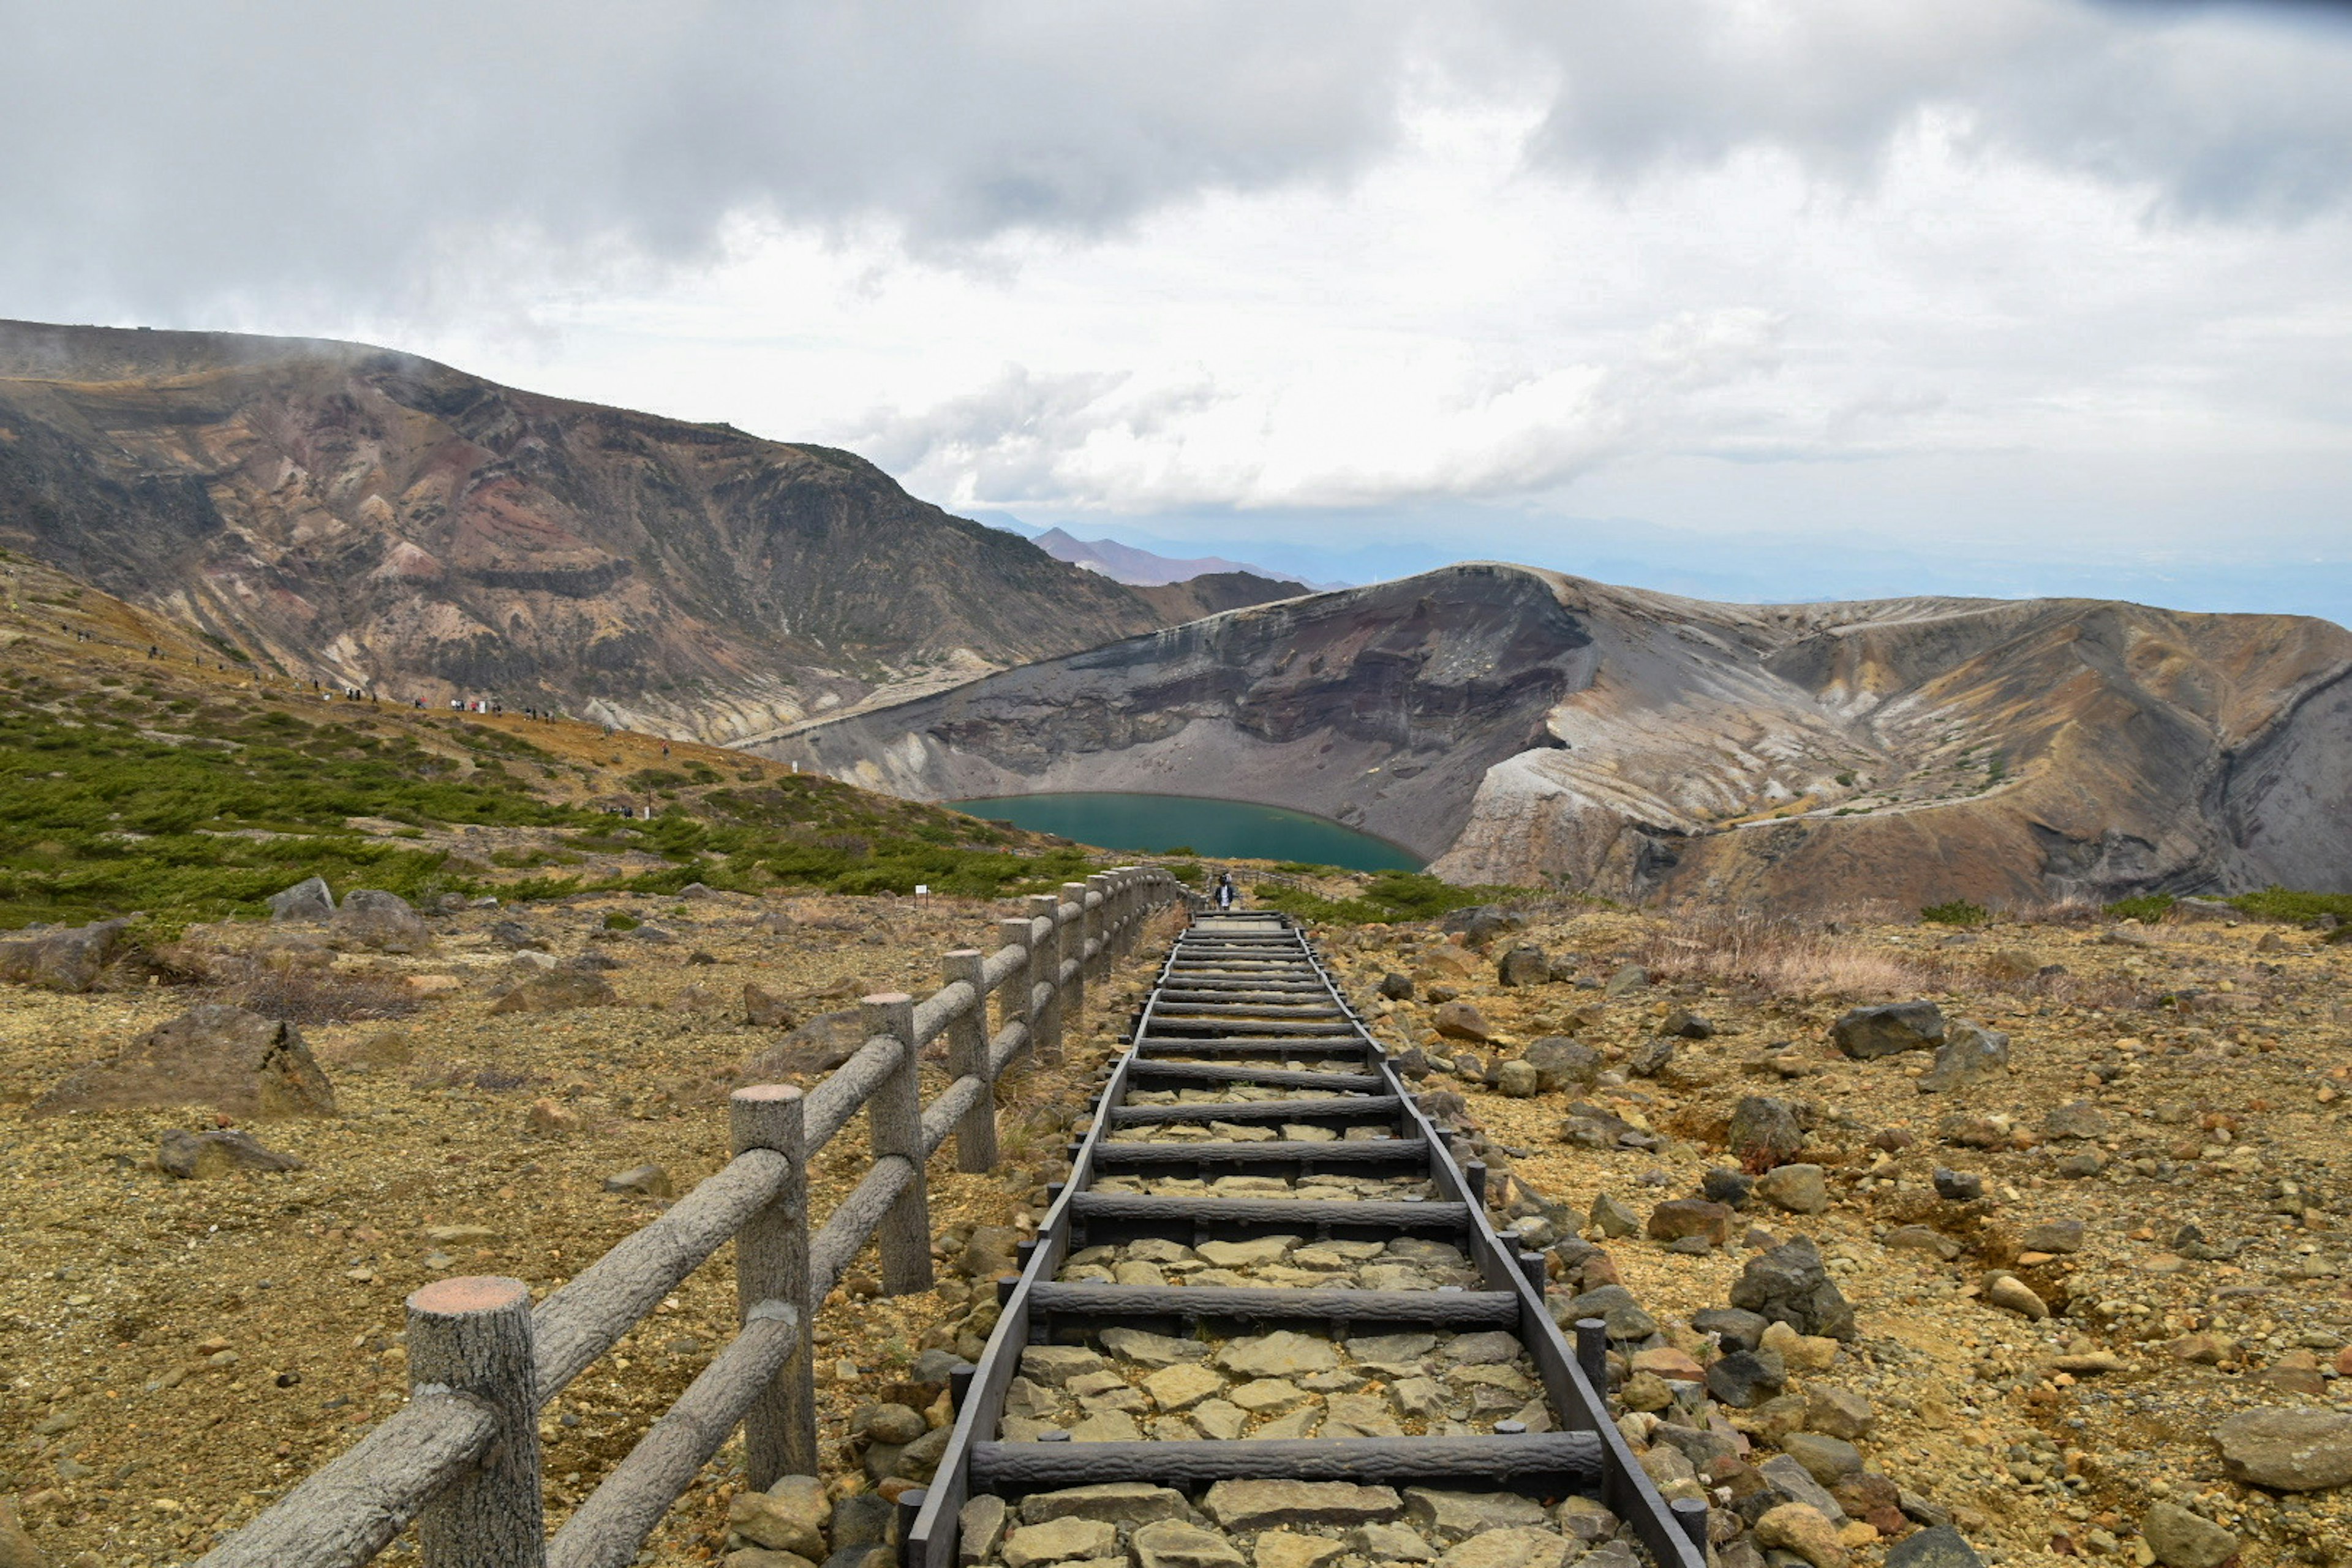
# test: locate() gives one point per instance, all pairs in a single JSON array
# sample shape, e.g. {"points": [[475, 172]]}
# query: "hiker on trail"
{"points": [[1225, 892]]}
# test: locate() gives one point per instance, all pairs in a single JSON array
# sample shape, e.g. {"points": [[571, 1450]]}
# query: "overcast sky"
{"points": [[1755, 300]]}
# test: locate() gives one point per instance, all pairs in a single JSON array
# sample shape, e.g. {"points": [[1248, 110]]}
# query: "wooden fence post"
{"points": [[895, 1124], [1016, 997], [1046, 969], [472, 1335], [771, 1264], [968, 1057]]}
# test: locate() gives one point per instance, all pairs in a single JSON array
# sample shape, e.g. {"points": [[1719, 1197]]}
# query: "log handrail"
{"points": [[465, 1446]]}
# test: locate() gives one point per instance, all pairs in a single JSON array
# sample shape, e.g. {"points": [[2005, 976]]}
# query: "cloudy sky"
{"points": [[1797, 299]]}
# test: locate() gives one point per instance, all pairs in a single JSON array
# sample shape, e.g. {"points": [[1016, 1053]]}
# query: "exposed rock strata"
{"points": [[1520, 726], [366, 518]]}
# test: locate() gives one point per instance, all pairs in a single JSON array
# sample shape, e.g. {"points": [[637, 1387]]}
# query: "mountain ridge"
{"points": [[365, 516], [1521, 725]]}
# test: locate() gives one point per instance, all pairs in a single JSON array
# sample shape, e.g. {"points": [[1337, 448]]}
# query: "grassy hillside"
{"points": [[141, 771]]}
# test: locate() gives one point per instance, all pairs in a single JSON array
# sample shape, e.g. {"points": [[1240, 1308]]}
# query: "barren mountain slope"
{"points": [[1519, 725], [368, 518]]}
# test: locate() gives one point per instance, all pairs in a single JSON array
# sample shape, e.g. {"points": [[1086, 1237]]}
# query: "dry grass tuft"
{"points": [[320, 996], [1784, 958]]}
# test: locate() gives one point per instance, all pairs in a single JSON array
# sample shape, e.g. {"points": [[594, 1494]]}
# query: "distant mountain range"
{"points": [[1517, 725], [1125, 563], [363, 517]]}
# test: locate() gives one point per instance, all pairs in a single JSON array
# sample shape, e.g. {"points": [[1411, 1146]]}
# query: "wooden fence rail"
{"points": [[461, 1460]]}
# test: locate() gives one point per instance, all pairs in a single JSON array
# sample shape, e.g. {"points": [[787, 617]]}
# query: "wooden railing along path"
{"points": [[461, 1458]]}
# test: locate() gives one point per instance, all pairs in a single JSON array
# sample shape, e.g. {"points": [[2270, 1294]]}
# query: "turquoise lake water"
{"points": [[1158, 823]]}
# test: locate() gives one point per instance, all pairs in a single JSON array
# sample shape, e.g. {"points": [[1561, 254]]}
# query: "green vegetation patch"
{"points": [[2145, 908], [2286, 904], [112, 802], [1389, 896], [1957, 912], [99, 818]]}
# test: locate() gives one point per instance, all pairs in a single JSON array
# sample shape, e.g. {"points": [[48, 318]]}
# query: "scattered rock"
{"points": [[191, 1156], [1764, 1133], [1839, 1412], [1938, 1546], [1679, 1218], [1958, 1186], [790, 1516], [2053, 1236], [1523, 965], [1686, 1026], [552, 1119], [1396, 987], [68, 958], [1735, 1330], [1481, 924], [1745, 1378], [1969, 1054], [1730, 1188], [233, 1060], [1562, 1063], [558, 991], [1629, 978], [308, 903], [1799, 1189], [1517, 1080], [2289, 1450], [2012, 1294], [2183, 1540], [651, 1181], [1794, 1527], [1866, 1033], [1827, 1459], [764, 1010], [2079, 1119], [1612, 1219], [1790, 1285], [1791, 1482], [1461, 1021], [371, 916], [1651, 1058]]}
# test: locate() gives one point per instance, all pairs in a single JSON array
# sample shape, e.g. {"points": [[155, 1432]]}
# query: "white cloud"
{"points": [[2004, 273]]}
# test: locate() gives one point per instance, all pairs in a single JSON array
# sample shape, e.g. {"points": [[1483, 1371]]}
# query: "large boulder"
{"points": [[2288, 1450], [233, 1060], [1790, 1285], [372, 918], [62, 958], [1868, 1032], [308, 901]]}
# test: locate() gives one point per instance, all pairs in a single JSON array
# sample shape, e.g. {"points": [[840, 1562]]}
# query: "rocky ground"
{"points": [[2154, 1245], [2082, 1259], [179, 1351]]}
